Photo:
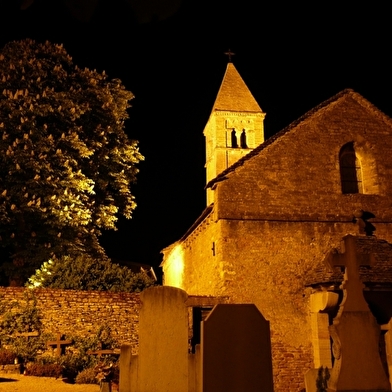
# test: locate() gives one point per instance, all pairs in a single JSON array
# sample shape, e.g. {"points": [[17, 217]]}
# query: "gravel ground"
{"points": [[21, 383]]}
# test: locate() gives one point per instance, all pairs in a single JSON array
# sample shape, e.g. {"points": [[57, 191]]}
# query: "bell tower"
{"points": [[235, 126]]}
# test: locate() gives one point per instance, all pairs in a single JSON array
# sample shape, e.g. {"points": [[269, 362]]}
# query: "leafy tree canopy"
{"points": [[66, 163], [85, 273]]}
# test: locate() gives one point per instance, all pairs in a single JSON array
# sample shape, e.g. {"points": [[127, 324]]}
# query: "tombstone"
{"points": [[162, 362], [234, 353], [59, 344], [236, 350], [27, 335], [355, 332], [101, 351]]}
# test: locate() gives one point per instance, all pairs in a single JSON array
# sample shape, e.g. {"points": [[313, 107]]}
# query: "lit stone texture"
{"points": [[275, 209]]}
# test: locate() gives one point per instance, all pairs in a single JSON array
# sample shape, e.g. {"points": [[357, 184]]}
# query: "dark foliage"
{"points": [[66, 163]]}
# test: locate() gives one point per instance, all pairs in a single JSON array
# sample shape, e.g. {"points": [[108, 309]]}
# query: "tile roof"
{"points": [[234, 95], [378, 274]]}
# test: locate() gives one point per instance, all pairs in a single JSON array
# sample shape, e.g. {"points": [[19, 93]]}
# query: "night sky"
{"points": [[170, 54]]}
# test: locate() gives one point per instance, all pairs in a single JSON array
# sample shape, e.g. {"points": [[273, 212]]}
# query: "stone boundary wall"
{"points": [[81, 313]]}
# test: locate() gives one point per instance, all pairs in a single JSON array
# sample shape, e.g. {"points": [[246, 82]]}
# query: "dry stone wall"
{"points": [[82, 313]]}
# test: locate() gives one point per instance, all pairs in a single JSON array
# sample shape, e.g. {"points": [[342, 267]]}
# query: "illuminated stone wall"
{"points": [[297, 177], [81, 313], [277, 215], [199, 278]]}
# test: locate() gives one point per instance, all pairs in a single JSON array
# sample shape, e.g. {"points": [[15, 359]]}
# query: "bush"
{"points": [[44, 370], [7, 357], [87, 376], [18, 317], [72, 364], [86, 273]]}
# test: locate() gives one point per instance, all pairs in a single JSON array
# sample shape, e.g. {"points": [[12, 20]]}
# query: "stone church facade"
{"points": [[277, 208]]}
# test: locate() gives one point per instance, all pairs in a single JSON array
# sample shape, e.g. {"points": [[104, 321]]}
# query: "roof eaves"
{"points": [[197, 222]]}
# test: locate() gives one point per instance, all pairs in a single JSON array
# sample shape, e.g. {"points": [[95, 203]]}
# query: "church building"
{"points": [[277, 208]]}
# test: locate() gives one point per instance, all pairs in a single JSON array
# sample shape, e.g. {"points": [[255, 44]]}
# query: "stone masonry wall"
{"points": [[81, 313], [199, 275], [297, 177], [277, 215], [270, 264]]}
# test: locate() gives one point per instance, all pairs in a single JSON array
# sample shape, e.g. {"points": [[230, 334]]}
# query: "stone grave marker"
{"points": [[59, 344], [162, 362], [27, 335], [101, 351], [355, 332], [236, 350]]}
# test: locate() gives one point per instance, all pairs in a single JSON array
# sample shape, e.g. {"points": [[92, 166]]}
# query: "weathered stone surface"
{"points": [[279, 210], [163, 341], [388, 348], [236, 350], [125, 384], [310, 380], [355, 332], [75, 313]]}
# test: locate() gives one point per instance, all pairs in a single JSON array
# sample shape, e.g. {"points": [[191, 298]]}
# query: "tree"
{"points": [[66, 163], [86, 273]]}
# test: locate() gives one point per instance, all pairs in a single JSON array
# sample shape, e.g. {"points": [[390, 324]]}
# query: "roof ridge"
{"points": [[358, 97]]}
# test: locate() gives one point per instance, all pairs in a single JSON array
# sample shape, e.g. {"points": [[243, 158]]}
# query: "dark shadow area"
{"points": [[7, 379], [361, 219]]}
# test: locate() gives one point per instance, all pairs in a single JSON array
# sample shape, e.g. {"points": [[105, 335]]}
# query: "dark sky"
{"points": [[170, 55]]}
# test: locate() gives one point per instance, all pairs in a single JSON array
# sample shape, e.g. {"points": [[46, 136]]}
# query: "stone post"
{"points": [[320, 304], [388, 347], [125, 368]]}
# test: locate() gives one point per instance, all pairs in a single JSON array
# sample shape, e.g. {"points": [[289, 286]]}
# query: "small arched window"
{"points": [[234, 143], [350, 170], [243, 139]]}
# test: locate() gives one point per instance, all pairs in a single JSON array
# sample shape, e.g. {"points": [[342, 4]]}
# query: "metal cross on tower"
{"points": [[229, 53]]}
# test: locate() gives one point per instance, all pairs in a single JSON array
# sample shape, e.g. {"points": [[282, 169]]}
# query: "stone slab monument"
{"points": [[162, 363], [236, 350], [355, 332], [234, 353]]}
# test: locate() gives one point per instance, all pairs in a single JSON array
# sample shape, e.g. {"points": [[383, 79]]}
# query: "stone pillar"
{"points": [[388, 347], [320, 303]]}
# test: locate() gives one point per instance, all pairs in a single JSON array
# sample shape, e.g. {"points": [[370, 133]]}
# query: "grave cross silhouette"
{"points": [[355, 332], [102, 351], [353, 299], [59, 344], [27, 335]]}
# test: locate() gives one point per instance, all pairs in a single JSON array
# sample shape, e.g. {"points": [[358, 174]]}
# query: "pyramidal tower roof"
{"points": [[234, 95]]}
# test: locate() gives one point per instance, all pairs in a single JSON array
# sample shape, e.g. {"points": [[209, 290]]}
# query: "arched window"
{"points": [[234, 143], [350, 170], [243, 139]]}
